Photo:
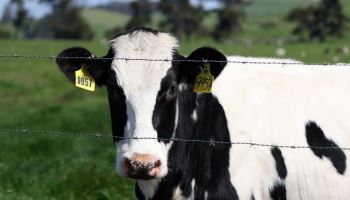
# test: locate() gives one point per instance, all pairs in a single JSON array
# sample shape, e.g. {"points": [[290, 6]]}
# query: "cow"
{"points": [[151, 95]]}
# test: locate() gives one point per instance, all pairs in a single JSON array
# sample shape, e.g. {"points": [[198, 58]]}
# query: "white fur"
{"points": [[194, 115], [270, 104], [182, 87], [193, 184], [140, 81]]}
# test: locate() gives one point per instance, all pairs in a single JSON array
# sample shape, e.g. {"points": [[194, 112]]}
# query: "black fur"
{"points": [[207, 165], [163, 118], [69, 66], [316, 138], [97, 68], [100, 70], [252, 197], [138, 193], [278, 192], [279, 161], [117, 106], [189, 70]]}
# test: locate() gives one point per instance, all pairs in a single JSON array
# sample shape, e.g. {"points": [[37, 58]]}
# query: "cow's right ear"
{"points": [[72, 59]]}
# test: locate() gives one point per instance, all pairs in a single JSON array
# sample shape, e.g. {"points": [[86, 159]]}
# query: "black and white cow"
{"points": [[269, 104]]}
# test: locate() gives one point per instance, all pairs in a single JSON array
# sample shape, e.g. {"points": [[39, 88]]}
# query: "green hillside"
{"points": [[274, 8], [256, 11], [103, 20]]}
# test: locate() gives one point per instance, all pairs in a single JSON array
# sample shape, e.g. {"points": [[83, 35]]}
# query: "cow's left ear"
{"points": [[194, 63]]}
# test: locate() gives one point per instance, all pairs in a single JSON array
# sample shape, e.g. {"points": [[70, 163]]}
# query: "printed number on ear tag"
{"points": [[84, 80], [204, 80]]}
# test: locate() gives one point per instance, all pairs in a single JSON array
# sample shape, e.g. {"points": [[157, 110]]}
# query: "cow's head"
{"points": [[143, 94]]}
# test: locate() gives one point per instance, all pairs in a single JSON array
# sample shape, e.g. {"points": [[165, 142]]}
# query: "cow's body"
{"points": [[260, 103], [274, 104]]}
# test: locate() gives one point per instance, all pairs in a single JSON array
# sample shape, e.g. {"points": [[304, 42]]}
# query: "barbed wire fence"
{"points": [[273, 61], [211, 142]]}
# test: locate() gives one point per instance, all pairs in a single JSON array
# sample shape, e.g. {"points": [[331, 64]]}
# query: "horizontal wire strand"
{"points": [[36, 57], [211, 142]]}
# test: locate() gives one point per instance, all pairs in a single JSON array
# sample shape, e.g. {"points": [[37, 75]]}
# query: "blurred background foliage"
{"points": [[70, 19], [35, 95]]}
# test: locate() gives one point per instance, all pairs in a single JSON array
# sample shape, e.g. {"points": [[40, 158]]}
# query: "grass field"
{"points": [[34, 95]]}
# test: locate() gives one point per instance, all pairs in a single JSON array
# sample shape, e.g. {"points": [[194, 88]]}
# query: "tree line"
{"points": [[179, 17]]}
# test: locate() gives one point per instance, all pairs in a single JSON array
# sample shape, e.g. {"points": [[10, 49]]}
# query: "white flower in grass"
{"points": [[280, 52]]}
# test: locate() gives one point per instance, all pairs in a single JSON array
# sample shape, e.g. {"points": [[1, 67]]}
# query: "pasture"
{"points": [[34, 95]]}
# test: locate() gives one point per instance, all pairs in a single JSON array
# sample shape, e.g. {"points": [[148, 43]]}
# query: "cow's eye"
{"points": [[172, 91]]}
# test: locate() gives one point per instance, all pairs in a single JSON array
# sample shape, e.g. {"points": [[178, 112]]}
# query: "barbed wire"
{"points": [[211, 142], [52, 58]]}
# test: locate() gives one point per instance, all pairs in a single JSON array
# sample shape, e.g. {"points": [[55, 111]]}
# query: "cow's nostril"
{"points": [[156, 164], [154, 170]]}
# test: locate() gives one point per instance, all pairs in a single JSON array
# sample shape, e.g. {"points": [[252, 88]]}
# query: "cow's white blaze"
{"points": [[140, 81]]}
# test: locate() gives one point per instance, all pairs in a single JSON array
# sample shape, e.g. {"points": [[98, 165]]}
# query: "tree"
{"points": [[319, 22], [15, 13], [7, 15], [141, 14], [335, 19], [65, 20], [181, 17], [230, 18]]}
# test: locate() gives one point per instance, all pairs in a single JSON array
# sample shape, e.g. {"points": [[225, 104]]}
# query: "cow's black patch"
{"points": [[100, 70], [316, 138], [200, 162], [164, 112], [116, 99], [279, 160], [206, 165], [252, 197], [278, 192], [138, 193]]}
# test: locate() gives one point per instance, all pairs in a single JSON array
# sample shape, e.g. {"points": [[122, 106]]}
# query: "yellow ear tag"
{"points": [[204, 80], [84, 80]]}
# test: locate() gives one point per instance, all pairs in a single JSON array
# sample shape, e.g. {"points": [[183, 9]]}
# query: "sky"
{"points": [[38, 10]]}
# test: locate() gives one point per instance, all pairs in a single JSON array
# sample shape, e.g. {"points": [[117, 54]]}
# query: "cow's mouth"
{"points": [[140, 176]]}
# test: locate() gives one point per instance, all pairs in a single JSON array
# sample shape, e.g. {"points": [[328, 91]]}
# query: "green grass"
{"points": [[35, 95]]}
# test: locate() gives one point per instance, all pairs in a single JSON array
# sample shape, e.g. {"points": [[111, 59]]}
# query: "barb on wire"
{"points": [[171, 60], [212, 142]]}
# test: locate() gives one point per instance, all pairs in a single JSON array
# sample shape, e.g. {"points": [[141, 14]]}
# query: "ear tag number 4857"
{"points": [[84, 80], [204, 80]]}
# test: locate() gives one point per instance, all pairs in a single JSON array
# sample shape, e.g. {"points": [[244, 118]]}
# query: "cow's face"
{"points": [[143, 96]]}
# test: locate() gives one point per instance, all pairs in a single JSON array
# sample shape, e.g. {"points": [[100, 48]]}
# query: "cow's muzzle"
{"points": [[142, 166]]}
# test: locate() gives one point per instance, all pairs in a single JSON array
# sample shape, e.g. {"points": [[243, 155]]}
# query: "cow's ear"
{"points": [[194, 63], [72, 59]]}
